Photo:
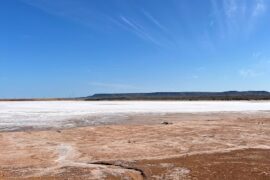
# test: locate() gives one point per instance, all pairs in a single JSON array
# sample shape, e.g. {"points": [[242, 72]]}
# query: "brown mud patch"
{"points": [[195, 146], [248, 164], [239, 164]]}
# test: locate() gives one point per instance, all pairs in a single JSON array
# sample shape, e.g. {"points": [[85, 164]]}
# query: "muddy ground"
{"points": [[188, 146]]}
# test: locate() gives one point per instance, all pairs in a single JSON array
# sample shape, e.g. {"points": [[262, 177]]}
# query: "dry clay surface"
{"points": [[189, 146]]}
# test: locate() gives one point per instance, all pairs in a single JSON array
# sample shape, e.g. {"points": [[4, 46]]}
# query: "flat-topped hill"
{"points": [[227, 95]]}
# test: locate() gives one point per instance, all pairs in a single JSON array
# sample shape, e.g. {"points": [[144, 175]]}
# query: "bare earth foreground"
{"points": [[135, 145]]}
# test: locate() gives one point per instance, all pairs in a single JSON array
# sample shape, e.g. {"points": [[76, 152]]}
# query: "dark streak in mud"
{"points": [[120, 165]]}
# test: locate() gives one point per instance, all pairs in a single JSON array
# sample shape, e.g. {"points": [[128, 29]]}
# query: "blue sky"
{"points": [[64, 48]]}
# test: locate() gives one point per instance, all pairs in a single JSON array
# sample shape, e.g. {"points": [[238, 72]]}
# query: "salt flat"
{"points": [[58, 113]]}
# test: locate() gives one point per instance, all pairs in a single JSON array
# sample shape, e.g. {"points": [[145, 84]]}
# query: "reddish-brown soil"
{"points": [[194, 146]]}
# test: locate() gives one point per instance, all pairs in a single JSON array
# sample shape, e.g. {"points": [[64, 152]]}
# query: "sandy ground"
{"points": [[192, 146]]}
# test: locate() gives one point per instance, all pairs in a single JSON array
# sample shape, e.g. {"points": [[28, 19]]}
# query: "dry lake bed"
{"points": [[135, 140]]}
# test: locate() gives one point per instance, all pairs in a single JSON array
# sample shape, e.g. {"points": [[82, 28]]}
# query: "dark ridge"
{"points": [[41, 99], [121, 166], [227, 95]]}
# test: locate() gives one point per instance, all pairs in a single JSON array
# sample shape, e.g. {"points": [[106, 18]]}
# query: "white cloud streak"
{"points": [[139, 30], [95, 19], [259, 8], [230, 7], [154, 20], [237, 17], [72, 10]]}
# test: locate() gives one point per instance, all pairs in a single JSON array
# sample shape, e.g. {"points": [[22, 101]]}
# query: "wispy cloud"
{"points": [[217, 19], [139, 30], [80, 12], [140, 22], [259, 67], [195, 76], [237, 16], [98, 18], [249, 73], [231, 8], [257, 11], [228, 17], [259, 8], [256, 55], [154, 20]]}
